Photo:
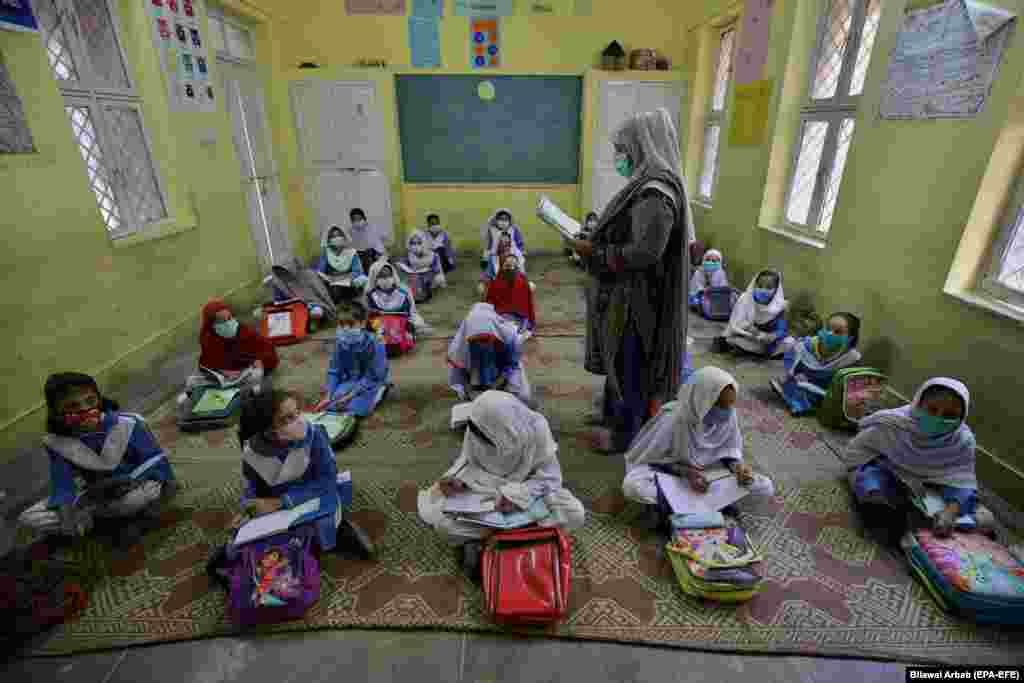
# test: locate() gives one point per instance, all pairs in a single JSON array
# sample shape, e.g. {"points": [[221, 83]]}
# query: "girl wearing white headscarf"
{"points": [[339, 263], [758, 322], [485, 353], [423, 266], [639, 265], [366, 239], [500, 223], [386, 293], [509, 454], [710, 274], [691, 434], [906, 451]]}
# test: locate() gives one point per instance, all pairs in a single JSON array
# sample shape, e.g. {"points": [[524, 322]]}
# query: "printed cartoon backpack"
{"points": [[270, 580], [717, 302], [395, 332], [854, 394]]}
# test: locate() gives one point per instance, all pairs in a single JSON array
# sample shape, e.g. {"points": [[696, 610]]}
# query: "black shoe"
{"points": [[472, 553], [719, 345], [731, 511], [650, 518], [352, 539], [127, 536]]}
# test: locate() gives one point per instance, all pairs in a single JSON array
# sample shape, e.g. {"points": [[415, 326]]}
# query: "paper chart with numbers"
{"points": [[184, 55]]}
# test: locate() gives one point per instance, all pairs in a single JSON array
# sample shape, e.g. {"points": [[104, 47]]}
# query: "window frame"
{"points": [[215, 12], [89, 91], [717, 118], [832, 111], [1011, 223]]}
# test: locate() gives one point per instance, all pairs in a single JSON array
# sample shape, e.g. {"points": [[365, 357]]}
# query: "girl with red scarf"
{"points": [[511, 295]]}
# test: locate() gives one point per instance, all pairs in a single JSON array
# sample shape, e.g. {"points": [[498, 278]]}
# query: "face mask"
{"points": [[591, 225], [503, 224], [387, 283], [76, 420], [831, 341], [294, 430], [434, 229], [717, 415], [226, 328], [934, 426], [358, 225], [336, 242], [763, 296], [624, 165], [711, 266]]}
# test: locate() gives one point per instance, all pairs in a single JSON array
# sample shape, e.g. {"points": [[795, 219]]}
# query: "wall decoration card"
{"points": [[184, 58], [484, 42], [425, 42], [750, 113], [484, 8], [753, 51], [15, 136], [945, 61], [390, 7], [428, 8]]}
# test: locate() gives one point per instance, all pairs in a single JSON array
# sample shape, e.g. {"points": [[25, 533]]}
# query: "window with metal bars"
{"points": [[84, 49], [231, 37], [839, 65], [714, 121], [1005, 277]]}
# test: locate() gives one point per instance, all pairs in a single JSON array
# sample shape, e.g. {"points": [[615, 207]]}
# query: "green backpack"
{"points": [[854, 394]]}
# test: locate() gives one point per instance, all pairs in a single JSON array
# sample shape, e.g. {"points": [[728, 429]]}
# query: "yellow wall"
{"points": [[320, 31], [907, 194], [77, 301]]}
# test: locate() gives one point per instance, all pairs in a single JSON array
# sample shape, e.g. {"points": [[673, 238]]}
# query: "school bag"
{"points": [[715, 562], [210, 407], [341, 428], [271, 580], [285, 322], [395, 332], [854, 394], [717, 303], [969, 574], [527, 574], [38, 591]]}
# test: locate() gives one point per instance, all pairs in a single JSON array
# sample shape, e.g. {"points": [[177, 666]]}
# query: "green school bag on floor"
{"points": [[854, 394]]}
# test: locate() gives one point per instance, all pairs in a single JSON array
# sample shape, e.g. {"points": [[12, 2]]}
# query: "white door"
{"points": [[243, 95], [620, 100], [340, 127]]}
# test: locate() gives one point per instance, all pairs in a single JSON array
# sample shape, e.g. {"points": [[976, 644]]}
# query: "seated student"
{"points": [[126, 475], [500, 223], [423, 267], [338, 259], [811, 363], [358, 375], [366, 239], [510, 453], [387, 295], [923, 446], [697, 431], [238, 352], [586, 230], [484, 354], [293, 280], [758, 322], [710, 274], [495, 260], [287, 462], [512, 297], [441, 242]]}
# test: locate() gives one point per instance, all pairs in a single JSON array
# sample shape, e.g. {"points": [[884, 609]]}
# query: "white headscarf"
{"points": [[651, 141], [522, 442], [482, 319], [417, 262], [914, 457], [400, 289], [678, 432], [701, 279], [341, 261], [489, 232], [748, 312]]}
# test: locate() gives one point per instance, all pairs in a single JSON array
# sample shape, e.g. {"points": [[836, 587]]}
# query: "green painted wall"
{"points": [[73, 300], [908, 190]]}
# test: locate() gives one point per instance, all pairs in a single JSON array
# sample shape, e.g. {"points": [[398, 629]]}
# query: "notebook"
{"points": [[215, 401], [279, 324], [722, 491], [460, 414], [276, 522], [332, 422], [470, 503], [508, 520], [931, 504], [548, 212]]}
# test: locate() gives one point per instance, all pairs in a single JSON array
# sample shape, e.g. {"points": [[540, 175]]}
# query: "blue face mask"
{"points": [[711, 266], [934, 426], [832, 341], [717, 416], [763, 296], [624, 165], [349, 335], [226, 328]]}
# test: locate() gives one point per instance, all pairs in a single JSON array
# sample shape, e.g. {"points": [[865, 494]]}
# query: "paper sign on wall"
{"points": [[750, 113], [428, 8], [484, 52], [752, 54], [483, 8], [181, 44], [425, 42], [375, 7]]}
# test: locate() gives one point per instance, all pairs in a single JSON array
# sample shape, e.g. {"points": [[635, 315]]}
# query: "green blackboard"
{"points": [[528, 133]]}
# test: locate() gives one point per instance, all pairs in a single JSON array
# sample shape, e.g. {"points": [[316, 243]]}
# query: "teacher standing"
{"points": [[638, 261]]}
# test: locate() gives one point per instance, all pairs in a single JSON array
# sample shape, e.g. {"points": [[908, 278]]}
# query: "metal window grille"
{"points": [[715, 119]]}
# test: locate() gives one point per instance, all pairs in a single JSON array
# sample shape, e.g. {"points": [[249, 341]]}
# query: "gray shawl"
{"points": [[299, 282]]}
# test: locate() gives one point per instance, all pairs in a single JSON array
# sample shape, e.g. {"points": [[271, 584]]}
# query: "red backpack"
{"points": [[527, 574], [285, 322]]}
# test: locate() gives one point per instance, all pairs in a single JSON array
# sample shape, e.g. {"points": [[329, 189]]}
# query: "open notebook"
{"points": [[332, 422], [723, 490], [931, 504], [215, 401], [548, 212], [282, 520]]}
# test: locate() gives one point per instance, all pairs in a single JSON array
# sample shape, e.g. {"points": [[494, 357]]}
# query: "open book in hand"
{"points": [[280, 521], [225, 380], [556, 218], [508, 520], [337, 280]]}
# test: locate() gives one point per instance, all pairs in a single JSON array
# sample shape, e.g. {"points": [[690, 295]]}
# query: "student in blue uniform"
{"points": [[359, 375], [441, 242], [812, 362], [287, 462], [758, 323], [105, 465]]}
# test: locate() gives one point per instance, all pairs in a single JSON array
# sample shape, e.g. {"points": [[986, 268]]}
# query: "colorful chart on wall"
{"points": [[391, 7], [484, 51], [484, 8], [428, 8], [16, 15], [15, 136], [425, 42], [184, 57]]}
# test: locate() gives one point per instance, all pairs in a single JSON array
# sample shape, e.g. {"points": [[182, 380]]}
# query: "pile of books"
{"points": [[717, 563]]}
